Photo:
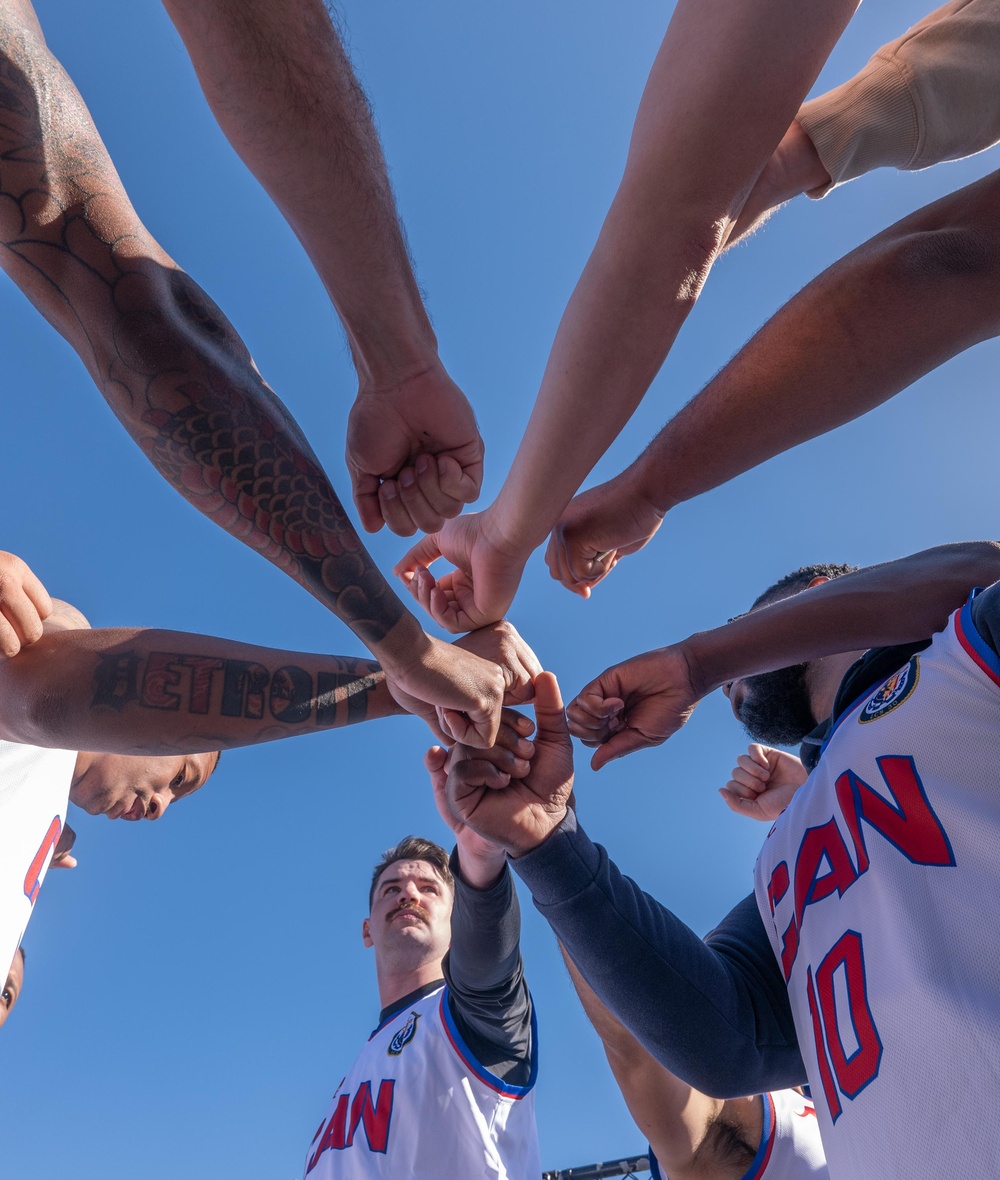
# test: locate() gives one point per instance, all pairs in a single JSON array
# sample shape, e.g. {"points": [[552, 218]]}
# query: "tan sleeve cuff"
{"points": [[869, 122]]}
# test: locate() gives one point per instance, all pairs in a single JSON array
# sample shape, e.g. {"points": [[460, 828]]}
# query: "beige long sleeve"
{"points": [[931, 95]]}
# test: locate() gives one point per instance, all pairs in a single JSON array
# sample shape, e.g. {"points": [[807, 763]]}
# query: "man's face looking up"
{"points": [[12, 986]]}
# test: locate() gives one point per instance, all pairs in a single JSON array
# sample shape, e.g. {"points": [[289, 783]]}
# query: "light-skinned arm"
{"points": [[892, 310], [181, 380], [677, 1120], [281, 86], [727, 74], [645, 700]]}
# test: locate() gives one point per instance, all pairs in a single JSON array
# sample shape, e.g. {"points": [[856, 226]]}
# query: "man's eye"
{"points": [[178, 780], [7, 997]]}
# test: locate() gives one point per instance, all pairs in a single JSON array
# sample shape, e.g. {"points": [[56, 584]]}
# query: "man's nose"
{"points": [[158, 804]]}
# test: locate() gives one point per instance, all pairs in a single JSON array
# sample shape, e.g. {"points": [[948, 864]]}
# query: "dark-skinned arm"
{"points": [[892, 310], [714, 1012], [645, 700], [182, 382], [142, 691]]}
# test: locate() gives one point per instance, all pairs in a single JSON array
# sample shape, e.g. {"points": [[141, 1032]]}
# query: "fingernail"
{"points": [[389, 489], [442, 467], [423, 464], [407, 477]]}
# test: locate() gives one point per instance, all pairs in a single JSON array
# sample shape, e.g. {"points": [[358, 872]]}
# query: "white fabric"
{"points": [[790, 1147], [795, 1151], [882, 874], [416, 1105], [34, 793]]}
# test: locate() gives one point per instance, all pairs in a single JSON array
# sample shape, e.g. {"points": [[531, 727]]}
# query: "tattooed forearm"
{"points": [[198, 685], [167, 360]]}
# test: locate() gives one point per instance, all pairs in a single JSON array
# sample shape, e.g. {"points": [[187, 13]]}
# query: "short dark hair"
{"points": [[413, 848], [799, 580]]}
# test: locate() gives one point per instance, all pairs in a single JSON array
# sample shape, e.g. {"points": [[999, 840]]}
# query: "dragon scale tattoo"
{"points": [[167, 360]]}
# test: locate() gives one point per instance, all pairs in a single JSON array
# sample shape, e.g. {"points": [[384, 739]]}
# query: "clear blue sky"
{"points": [[197, 987]]}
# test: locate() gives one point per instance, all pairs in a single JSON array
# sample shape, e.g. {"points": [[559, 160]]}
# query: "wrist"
{"points": [[522, 848], [650, 483], [501, 529], [386, 372], [691, 653], [405, 644], [481, 865]]}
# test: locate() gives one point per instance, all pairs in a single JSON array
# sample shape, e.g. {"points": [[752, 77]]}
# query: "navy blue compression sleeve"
{"points": [[715, 1013], [489, 997]]}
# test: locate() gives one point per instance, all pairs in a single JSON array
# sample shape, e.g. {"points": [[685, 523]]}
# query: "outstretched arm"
{"points": [[281, 86], [928, 96], [892, 310], [646, 699], [180, 379], [715, 1013], [140, 691], [730, 74], [488, 995]]}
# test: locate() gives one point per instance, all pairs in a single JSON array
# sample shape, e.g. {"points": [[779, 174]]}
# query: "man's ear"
{"points": [[818, 581], [366, 934]]}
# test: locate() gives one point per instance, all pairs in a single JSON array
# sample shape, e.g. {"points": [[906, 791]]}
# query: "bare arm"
{"points": [[645, 700], [281, 86], [730, 73], [135, 691], [180, 379], [889, 312], [677, 1120], [65, 617]]}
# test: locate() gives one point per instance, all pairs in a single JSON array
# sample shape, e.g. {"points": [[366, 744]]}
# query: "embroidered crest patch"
{"points": [[404, 1036], [892, 693]]}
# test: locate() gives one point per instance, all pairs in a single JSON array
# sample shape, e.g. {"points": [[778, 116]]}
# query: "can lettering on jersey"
{"points": [[823, 864]]}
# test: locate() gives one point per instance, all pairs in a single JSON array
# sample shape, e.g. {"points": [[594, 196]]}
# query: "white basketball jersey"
{"points": [[790, 1146], [34, 792], [878, 890], [416, 1105]]}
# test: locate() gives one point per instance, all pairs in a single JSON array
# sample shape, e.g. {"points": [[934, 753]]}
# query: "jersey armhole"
{"points": [[760, 1161], [767, 1137], [468, 1058]]}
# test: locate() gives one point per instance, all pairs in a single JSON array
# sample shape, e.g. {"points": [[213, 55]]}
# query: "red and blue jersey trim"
{"points": [[760, 1160], [973, 644], [768, 1135], [465, 1054]]}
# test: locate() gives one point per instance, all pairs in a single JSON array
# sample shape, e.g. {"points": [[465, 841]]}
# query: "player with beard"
{"points": [[444, 1086], [865, 951]]}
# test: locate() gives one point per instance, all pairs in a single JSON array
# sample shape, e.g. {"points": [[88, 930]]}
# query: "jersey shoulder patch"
{"points": [[891, 693], [404, 1036]]}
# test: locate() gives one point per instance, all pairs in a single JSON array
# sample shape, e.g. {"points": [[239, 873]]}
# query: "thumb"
{"points": [[423, 553], [367, 502], [550, 715], [435, 760], [626, 741]]}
